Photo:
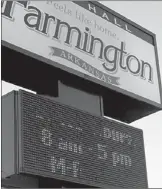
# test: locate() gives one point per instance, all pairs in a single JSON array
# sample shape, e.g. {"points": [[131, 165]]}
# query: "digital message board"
{"points": [[58, 141], [88, 40]]}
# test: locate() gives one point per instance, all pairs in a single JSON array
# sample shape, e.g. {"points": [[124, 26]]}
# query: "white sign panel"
{"points": [[78, 38]]}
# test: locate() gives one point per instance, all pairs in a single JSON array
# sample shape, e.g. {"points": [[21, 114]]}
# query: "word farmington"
{"points": [[112, 58]]}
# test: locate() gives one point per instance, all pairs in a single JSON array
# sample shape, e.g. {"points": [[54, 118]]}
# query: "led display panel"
{"points": [[61, 142]]}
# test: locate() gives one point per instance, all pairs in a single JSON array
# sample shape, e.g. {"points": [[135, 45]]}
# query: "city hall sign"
{"points": [[87, 40]]}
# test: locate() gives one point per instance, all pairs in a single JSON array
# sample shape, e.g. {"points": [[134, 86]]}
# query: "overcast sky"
{"points": [[147, 14]]}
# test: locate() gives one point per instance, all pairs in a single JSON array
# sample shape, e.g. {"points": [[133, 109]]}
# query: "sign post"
{"points": [[98, 63]]}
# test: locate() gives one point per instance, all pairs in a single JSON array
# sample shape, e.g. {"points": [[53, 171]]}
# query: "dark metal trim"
{"points": [[122, 17], [146, 177], [158, 67], [19, 128]]}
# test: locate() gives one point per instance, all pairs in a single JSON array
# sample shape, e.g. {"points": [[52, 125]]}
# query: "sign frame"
{"points": [[92, 79]]}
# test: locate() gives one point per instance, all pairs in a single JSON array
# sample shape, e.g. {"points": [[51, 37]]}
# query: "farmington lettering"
{"points": [[112, 58]]}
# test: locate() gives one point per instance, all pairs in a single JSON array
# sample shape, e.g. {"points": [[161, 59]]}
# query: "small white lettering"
{"points": [[70, 146], [121, 159], [102, 151], [46, 137], [117, 136], [58, 164], [92, 8]]}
